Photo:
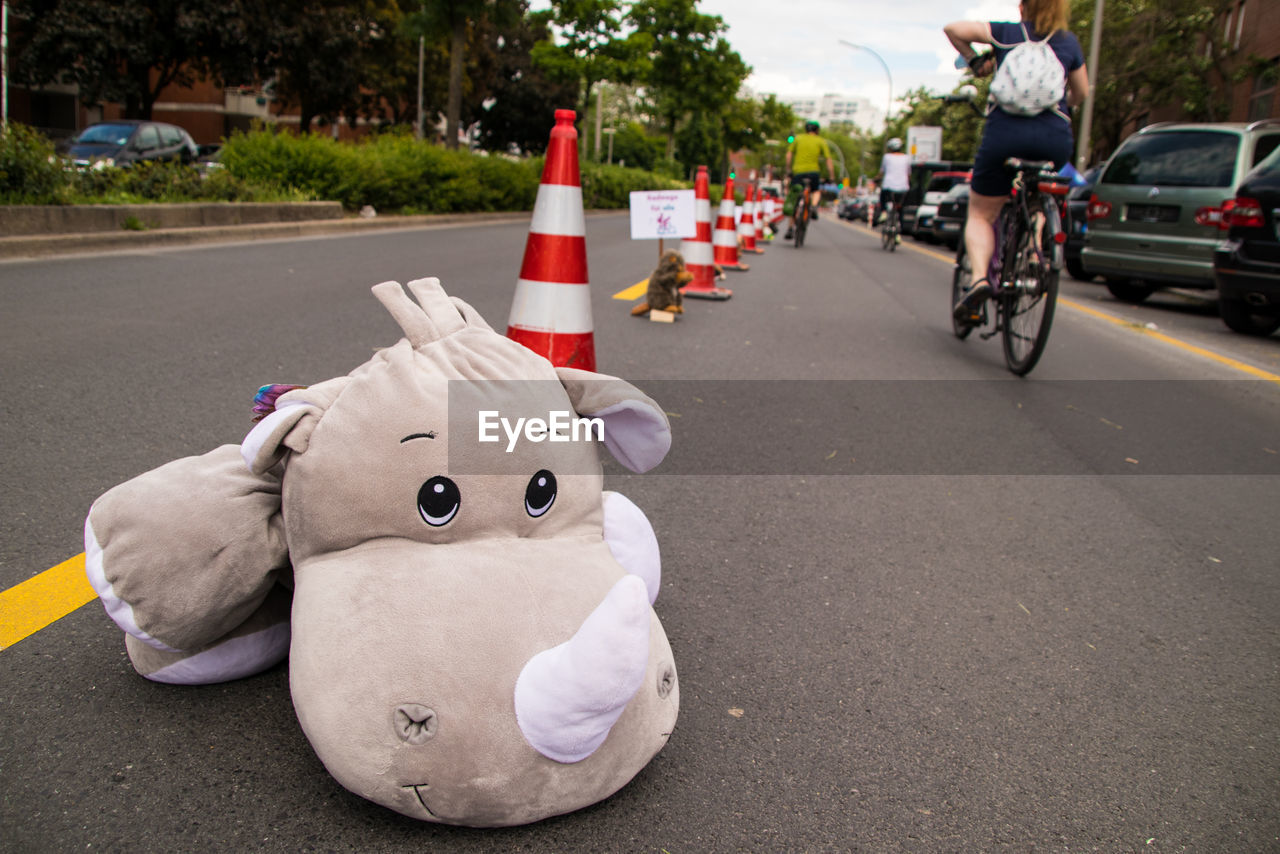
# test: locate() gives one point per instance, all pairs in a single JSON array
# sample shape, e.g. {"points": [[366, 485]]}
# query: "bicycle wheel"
{"points": [[1029, 304], [961, 281], [802, 221], [886, 234]]}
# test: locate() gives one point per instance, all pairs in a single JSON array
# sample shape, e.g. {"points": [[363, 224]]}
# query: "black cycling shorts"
{"points": [[1027, 139], [813, 179]]}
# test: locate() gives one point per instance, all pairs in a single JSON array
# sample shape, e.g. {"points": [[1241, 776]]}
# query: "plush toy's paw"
{"points": [[259, 643], [183, 555], [632, 541]]}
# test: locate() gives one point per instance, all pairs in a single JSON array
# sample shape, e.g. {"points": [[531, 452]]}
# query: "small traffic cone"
{"points": [[697, 250], [551, 309], [759, 215], [747, 227], [724, 237]]}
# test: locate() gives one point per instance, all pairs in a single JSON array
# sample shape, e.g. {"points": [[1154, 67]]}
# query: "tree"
{"points": [[513, 100], [588, 49], [961, 126], [694, 70], [129, 52], [452, 17], [1154, 53], [326, 55]]}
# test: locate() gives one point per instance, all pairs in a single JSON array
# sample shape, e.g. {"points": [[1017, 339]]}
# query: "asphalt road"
{"points": [[916, 604]]}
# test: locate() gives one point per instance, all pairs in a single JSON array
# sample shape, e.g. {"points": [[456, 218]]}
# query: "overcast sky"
{"points": [[793, 46]]}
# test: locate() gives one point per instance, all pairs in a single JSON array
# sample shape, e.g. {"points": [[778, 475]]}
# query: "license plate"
{"points": [[1153, 213], [951, 226]]}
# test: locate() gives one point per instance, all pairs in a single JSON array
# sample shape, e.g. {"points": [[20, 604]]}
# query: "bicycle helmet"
{"points": [[894, 144], [811, 125]]}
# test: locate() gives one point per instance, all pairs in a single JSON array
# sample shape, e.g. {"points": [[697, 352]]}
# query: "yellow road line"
{"points": [[1227, 361], [35, 603], [1181, 345], [636, 291]]}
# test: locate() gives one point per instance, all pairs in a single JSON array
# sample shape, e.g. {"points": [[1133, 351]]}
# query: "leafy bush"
{"points": [[398, 174], [611, 186], [393, 172], [30, 171]]}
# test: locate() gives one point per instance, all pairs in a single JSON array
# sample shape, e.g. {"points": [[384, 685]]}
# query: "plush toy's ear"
{"points": [[636, 430], [184, 555], [288, 426]]}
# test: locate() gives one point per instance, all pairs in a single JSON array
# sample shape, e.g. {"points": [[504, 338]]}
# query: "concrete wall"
{"points": [[81, 219]]}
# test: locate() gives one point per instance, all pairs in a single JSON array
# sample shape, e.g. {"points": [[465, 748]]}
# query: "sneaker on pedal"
{"points": [[969, 308]]}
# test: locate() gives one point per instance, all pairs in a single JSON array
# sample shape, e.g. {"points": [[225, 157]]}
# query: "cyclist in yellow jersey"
{"points": [[803, 159]]}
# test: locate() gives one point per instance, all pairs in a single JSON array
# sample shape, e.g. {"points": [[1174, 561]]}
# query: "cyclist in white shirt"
{"points": [[895, 176]]}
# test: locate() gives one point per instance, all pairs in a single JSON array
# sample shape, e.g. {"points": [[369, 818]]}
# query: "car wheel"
{"points": [[1077, 270], [1239, 317], [1126, 290]]}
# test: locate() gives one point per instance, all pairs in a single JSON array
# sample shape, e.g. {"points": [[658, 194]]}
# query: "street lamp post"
{"points": [[889, 102], [1086, 121], [609, 132]]}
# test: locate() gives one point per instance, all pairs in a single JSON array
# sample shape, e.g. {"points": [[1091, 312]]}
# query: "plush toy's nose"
{"points": [[414, 723]]}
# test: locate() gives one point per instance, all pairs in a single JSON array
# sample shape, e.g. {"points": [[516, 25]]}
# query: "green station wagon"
{"points": [[1156, 212]]}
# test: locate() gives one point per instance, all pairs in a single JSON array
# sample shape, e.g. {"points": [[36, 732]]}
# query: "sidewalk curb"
{"points": [[46, 245]]}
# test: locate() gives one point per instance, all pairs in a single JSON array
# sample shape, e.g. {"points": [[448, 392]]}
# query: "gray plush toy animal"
{"points": [[468, 623]]}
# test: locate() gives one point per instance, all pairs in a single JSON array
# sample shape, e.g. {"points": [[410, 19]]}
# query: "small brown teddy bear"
{"points": [[664, 285]]}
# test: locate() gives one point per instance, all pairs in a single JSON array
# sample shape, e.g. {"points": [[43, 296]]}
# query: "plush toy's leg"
{"points": [[260, 642], [631, 539], [183, 555]]}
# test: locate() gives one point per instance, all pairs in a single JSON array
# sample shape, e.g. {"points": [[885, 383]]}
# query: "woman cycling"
{"points": [[1044, 136]]}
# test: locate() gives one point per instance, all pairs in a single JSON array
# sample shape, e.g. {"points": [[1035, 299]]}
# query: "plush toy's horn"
{"points": [[568, 697]]}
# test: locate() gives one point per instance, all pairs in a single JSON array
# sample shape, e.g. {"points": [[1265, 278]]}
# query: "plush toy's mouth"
{"points": [[418, 789]]}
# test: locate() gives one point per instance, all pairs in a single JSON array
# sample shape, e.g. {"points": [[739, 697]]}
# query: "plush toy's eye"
{"points": [[540, 494], [438, 501]]}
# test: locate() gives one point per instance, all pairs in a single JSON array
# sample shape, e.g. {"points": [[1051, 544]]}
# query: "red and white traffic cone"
{"points": [[747, 227], [551, 310], [724, 237], [759, 215], [697, 249]]}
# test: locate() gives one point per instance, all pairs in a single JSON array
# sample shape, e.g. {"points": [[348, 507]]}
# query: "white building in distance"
{"points": [[834, 108]]}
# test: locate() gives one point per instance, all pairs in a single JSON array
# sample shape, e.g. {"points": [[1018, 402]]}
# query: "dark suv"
{"points": [[1155, 211], [1247, 264], [921, 174], [125, 141]]}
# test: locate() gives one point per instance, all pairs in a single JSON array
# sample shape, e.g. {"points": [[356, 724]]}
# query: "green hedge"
{"points": [[398, 174], [394, 173], [30, 173]]}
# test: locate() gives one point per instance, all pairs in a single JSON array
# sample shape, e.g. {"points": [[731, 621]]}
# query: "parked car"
{"points": [[948, 222], [1246, 266], [126, 141], [1153, 216], [208, 157], [939, 185], [1078, 225], [921, 174], [852, 207]]}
